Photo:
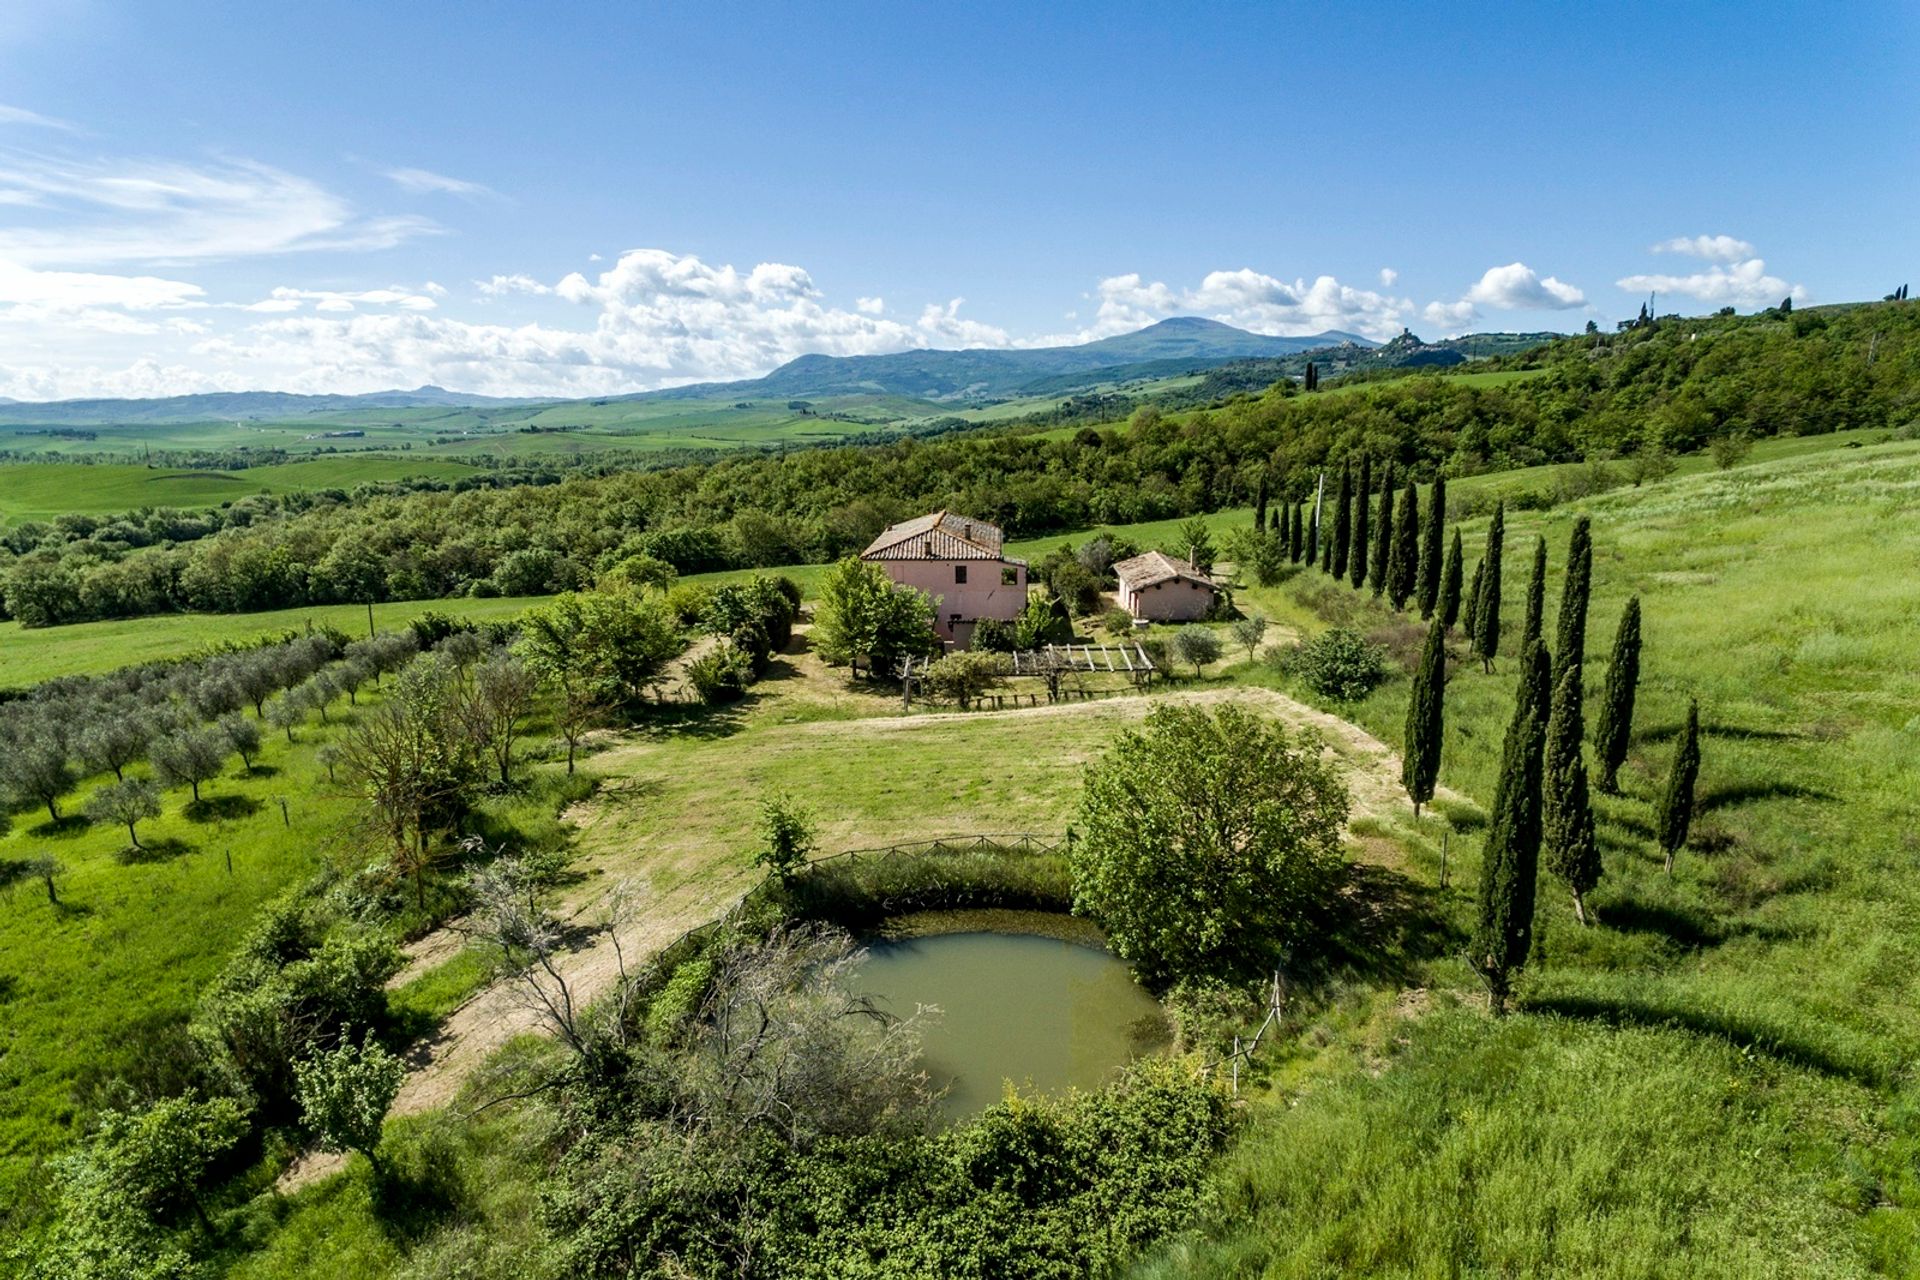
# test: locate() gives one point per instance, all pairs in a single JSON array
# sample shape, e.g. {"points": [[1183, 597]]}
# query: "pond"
{"points": [[1043, 1012]]}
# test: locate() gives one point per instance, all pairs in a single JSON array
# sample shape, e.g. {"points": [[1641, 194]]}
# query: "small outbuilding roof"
{"points": [[940, 536], [1158, 566]]}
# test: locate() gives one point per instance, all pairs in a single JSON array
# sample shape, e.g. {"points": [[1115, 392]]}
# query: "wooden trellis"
{"points": [[1048, 664]]}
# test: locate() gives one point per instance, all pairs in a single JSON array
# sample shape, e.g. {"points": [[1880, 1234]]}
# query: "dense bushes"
{"points": [[1338, 663]]}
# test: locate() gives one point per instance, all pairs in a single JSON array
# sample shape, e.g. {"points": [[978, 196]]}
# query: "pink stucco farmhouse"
{"points": [[960, 563], [1157, 588]]}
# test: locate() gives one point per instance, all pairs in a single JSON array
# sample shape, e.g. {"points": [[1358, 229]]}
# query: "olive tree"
{"points": [[126, 802], [34, 768], [191, 756], [1248, 632], [243, 735], [1208, 841], [498, 697], [1198, 645]]}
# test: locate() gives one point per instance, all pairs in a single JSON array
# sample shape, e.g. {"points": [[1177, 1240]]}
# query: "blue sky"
{"points": [[582, 198]]}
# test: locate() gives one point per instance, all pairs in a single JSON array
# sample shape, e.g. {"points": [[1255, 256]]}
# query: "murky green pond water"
{"points": [[1044, 1013]]}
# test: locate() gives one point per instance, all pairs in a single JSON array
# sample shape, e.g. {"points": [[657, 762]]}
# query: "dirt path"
{"points": [[442, 1064]]}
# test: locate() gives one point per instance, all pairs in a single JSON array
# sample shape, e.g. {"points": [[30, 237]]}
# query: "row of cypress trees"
{"points": [[1374, 537]]}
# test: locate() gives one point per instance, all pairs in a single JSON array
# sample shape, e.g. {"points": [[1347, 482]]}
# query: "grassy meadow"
{"points": [[1713, 1080], [43, 490]]}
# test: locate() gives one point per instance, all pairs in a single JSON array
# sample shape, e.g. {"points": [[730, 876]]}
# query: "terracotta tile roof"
{"points": [[1158, 566], [939, 536]]}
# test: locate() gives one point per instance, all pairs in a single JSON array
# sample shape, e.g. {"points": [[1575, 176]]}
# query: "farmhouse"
{"points": [[1157, 588], [960, 564]]}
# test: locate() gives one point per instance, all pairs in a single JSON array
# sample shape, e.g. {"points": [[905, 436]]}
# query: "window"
{"points": [[959, 573], [1009, 577]]}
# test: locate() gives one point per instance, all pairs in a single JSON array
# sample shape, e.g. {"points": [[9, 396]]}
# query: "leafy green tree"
{"points": [[863, 615], [1536, 594], [1382, 536], [34, 768], [1510, 860], [1198, 645], [1570, 646], [1341, 545], [1195, 542], [1673, 816], [1248, 632], [964, 677], [1357, 553], [1566, 813], [190, 756], [1420, 748], [1210, 842], [243, 736], [112, 738], [1427, 587], [126, 802], [1613, 727], [788, 836], [344, 1094], [1486, 614], [1449, 602], [598, 651], [1404, 555]]}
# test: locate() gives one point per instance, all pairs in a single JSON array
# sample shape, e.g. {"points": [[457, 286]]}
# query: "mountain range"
{"points": [[1183, 344]]}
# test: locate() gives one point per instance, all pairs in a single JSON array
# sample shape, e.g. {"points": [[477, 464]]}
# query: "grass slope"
{"points": [[43, 490]]}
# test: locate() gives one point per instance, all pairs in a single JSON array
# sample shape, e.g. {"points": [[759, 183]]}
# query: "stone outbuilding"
{"points": [[1155, 587], [960, 563]]}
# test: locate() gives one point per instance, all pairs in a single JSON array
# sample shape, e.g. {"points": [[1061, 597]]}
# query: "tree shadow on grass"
{"points": [[1666, 732], [153, 851], [9, 987], [696, 721], [1729, 794], [1379, 924], [259, 771], [221, 808], [1689, 929], [63, 828], [417, 1190], [1742, 1033]]}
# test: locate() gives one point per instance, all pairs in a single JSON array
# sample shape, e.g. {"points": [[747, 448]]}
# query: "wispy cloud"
{"points": [[20, 115], [92, 212], [427, 182], [1712, 248]]}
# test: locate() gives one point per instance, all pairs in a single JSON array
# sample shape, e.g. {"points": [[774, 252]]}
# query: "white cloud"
{"points": [[20, 283], [1245, 298], [1388, 277], [90, 212], [1451, 317], [870, 306], [20, 115], [1517, 287], [500, 286], [286, 298], [1712, 248], [1740, 284], [427, 182]]}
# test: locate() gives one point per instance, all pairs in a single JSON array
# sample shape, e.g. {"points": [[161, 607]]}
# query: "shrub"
{"points": [[1198, 645], [991, 635], [1117, 622], [964, 677], [786, 836], [1337, 663], [721, 675]]}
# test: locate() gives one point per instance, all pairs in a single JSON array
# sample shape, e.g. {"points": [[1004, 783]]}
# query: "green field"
{"points": [[43, 490], [87, 648]]}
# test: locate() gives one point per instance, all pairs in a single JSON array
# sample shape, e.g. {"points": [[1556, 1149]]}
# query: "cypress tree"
{"points": [[1566, 814], [1467, 624], [1420, 751], [1613, 727], [1282, 532], [1510, 864], [1342, 523], [1570, 646], [1326, 549], [1449, 605], [1382, 535], [1427, 585], [1403, 556], [1357, 552], [1298, 547], [1486, 613], [1536, 594], [1314, 535], [1260, 504], [1674, 815]]}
